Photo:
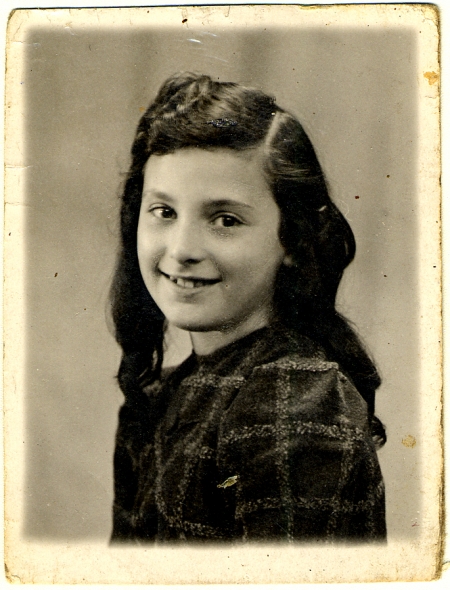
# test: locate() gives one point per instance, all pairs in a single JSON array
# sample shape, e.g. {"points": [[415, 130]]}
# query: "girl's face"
{"points": [[208, 242]]}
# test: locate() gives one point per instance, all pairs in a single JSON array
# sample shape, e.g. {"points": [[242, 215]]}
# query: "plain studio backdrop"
{"points": [[354, 90]]}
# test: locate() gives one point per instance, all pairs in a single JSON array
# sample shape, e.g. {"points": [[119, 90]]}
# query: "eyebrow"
{"points": [[155, 194], [213, 203], [228, 203]]}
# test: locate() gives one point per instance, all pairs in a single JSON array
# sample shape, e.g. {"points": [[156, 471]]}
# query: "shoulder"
{"points": [[298, 362], [305, 390]]}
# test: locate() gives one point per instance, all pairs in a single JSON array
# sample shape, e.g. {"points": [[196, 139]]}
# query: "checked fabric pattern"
{"points": [[269, 409]]}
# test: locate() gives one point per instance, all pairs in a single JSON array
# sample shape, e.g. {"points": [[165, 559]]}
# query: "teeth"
{"points": [[190, 283], [186, 283]]}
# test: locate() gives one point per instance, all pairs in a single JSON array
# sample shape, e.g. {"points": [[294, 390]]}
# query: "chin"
{"points": [[196, 327], [200, 325]]}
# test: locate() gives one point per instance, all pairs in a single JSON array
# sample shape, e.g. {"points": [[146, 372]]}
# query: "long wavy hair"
{"points": [[194, 111]]}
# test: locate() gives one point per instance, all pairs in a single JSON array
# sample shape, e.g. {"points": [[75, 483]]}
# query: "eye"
{"points": [[162, 212], [226, 221]]}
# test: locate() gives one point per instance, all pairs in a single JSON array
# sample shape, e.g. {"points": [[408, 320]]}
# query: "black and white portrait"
{"points": [[219, 217]]}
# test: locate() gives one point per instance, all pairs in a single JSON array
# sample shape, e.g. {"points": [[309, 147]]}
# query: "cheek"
{"points": [[257, 263], [147, 246], [142, 251], [268, 253]]}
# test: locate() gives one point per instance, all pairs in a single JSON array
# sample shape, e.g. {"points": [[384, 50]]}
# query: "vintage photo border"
{"points": [[96, 564]]}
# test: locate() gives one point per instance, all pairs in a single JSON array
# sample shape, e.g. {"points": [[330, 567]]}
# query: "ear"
{"points": [[288, 260]]}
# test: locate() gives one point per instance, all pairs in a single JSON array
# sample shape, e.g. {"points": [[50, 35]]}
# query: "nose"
{"points": [[185, 243]]}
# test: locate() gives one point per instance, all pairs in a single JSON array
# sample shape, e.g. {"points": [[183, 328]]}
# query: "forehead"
{"points": [[199, 173]]}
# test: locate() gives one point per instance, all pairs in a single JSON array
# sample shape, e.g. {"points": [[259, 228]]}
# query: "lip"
{"points": [[189, 282]]}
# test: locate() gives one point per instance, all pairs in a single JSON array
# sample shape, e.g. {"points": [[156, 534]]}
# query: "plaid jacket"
{"points": [[262, 440]]}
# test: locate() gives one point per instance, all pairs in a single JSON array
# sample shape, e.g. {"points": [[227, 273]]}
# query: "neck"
{"points": [[208, 342]]}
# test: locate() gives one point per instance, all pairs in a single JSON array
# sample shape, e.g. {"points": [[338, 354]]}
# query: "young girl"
{"points": [[267, 430]]}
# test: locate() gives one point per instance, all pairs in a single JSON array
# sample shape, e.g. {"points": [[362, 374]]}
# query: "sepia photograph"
{"points": [[223, 295]]}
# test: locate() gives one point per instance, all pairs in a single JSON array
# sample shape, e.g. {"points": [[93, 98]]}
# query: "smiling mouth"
{"points": [[191, 282]]}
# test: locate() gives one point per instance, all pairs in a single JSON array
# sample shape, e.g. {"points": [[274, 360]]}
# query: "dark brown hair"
{"points": [[195, 111]]}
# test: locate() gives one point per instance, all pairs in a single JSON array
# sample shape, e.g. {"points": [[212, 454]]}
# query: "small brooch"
{"points": [[229, 482]]}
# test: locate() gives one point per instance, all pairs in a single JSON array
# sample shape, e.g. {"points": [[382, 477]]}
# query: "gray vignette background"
{"points": [[355, 92]]}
